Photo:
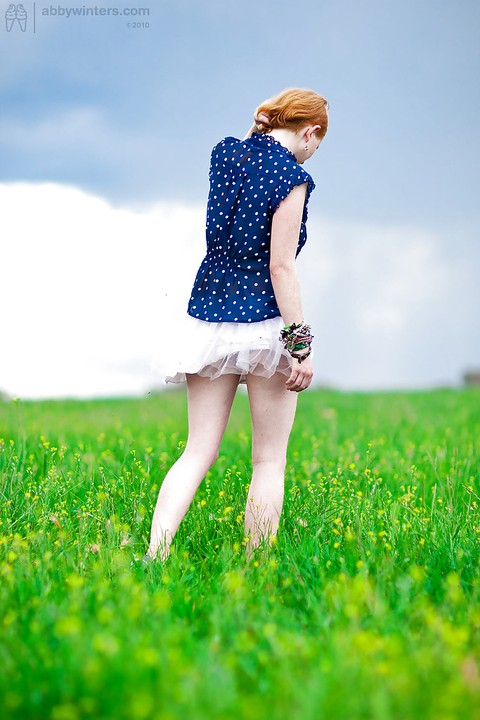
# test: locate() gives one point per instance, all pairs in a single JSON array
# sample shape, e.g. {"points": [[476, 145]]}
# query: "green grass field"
{"points": [[368, 605]]}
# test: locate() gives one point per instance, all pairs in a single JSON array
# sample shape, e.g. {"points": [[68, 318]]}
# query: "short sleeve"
{"points": [[214, 160], [286, 184]]}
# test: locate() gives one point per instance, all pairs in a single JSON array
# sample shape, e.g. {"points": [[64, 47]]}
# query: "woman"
{"points": [[245, 321]]}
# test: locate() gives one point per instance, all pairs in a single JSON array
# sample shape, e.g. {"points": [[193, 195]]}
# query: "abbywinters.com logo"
{"points": [[16, 15]]}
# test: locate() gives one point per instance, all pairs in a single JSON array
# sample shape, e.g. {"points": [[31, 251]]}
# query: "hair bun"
{"points": [[293, 109]]}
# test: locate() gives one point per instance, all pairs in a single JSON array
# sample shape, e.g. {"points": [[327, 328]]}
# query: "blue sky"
{"points": [[129, 116]]}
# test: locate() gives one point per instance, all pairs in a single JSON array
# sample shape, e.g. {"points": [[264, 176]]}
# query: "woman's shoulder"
{"points": [[261, 155], [228, 141], [294, 174], [223, 149]]}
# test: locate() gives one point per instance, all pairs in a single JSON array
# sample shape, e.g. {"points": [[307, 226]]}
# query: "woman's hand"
{"points": [[301, 375]]}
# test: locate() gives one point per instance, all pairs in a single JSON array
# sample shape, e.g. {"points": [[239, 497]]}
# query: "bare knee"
{"points": [[274, 465], [201, 456]]}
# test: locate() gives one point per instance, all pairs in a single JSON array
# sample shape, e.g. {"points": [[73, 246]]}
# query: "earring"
{"points": [[306, 147]]}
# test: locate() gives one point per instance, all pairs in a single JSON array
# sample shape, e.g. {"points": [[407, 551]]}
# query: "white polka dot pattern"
{"points": [[248, 180]]}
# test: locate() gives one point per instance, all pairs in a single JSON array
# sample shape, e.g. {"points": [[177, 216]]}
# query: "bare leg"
{"points": [[272, 408], [209, 405]]}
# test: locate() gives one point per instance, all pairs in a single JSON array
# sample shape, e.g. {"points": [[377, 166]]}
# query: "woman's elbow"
{"points": [[282, 268]]}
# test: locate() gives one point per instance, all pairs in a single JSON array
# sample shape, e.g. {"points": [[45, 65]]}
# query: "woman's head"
{"points": [[293, 109]]}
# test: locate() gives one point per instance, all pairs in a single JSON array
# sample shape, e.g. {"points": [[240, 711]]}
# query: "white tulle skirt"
{"points": [[212, 349]]}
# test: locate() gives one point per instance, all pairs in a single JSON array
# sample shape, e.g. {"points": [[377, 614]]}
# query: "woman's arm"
{"points": [[284, 242], [251, 131], [283, 272], [261, 120]]}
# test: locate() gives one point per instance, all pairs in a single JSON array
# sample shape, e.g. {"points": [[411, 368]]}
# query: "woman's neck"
{"points": [[287, 138]]}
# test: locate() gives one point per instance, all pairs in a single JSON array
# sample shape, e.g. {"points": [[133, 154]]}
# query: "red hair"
{"points": [[292, 109]]}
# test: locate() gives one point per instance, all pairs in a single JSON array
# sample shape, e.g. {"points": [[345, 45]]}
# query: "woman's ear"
{"points": [[312, 129]]}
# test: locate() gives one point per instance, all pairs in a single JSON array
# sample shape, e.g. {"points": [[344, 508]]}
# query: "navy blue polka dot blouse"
{"points": [[248, 180]]}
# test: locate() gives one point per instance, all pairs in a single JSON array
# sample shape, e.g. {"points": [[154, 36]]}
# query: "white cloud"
{"points": [[86, 289]]}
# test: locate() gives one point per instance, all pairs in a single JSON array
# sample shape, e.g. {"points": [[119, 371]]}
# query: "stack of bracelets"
{"points": [[297, 337]]}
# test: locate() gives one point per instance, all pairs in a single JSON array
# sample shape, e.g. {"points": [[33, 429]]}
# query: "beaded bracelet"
{"points": [[301, 357], [297, 337]]}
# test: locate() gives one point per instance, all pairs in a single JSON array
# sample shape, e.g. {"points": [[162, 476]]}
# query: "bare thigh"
{"points": [[272, 408], [209, 406]]}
